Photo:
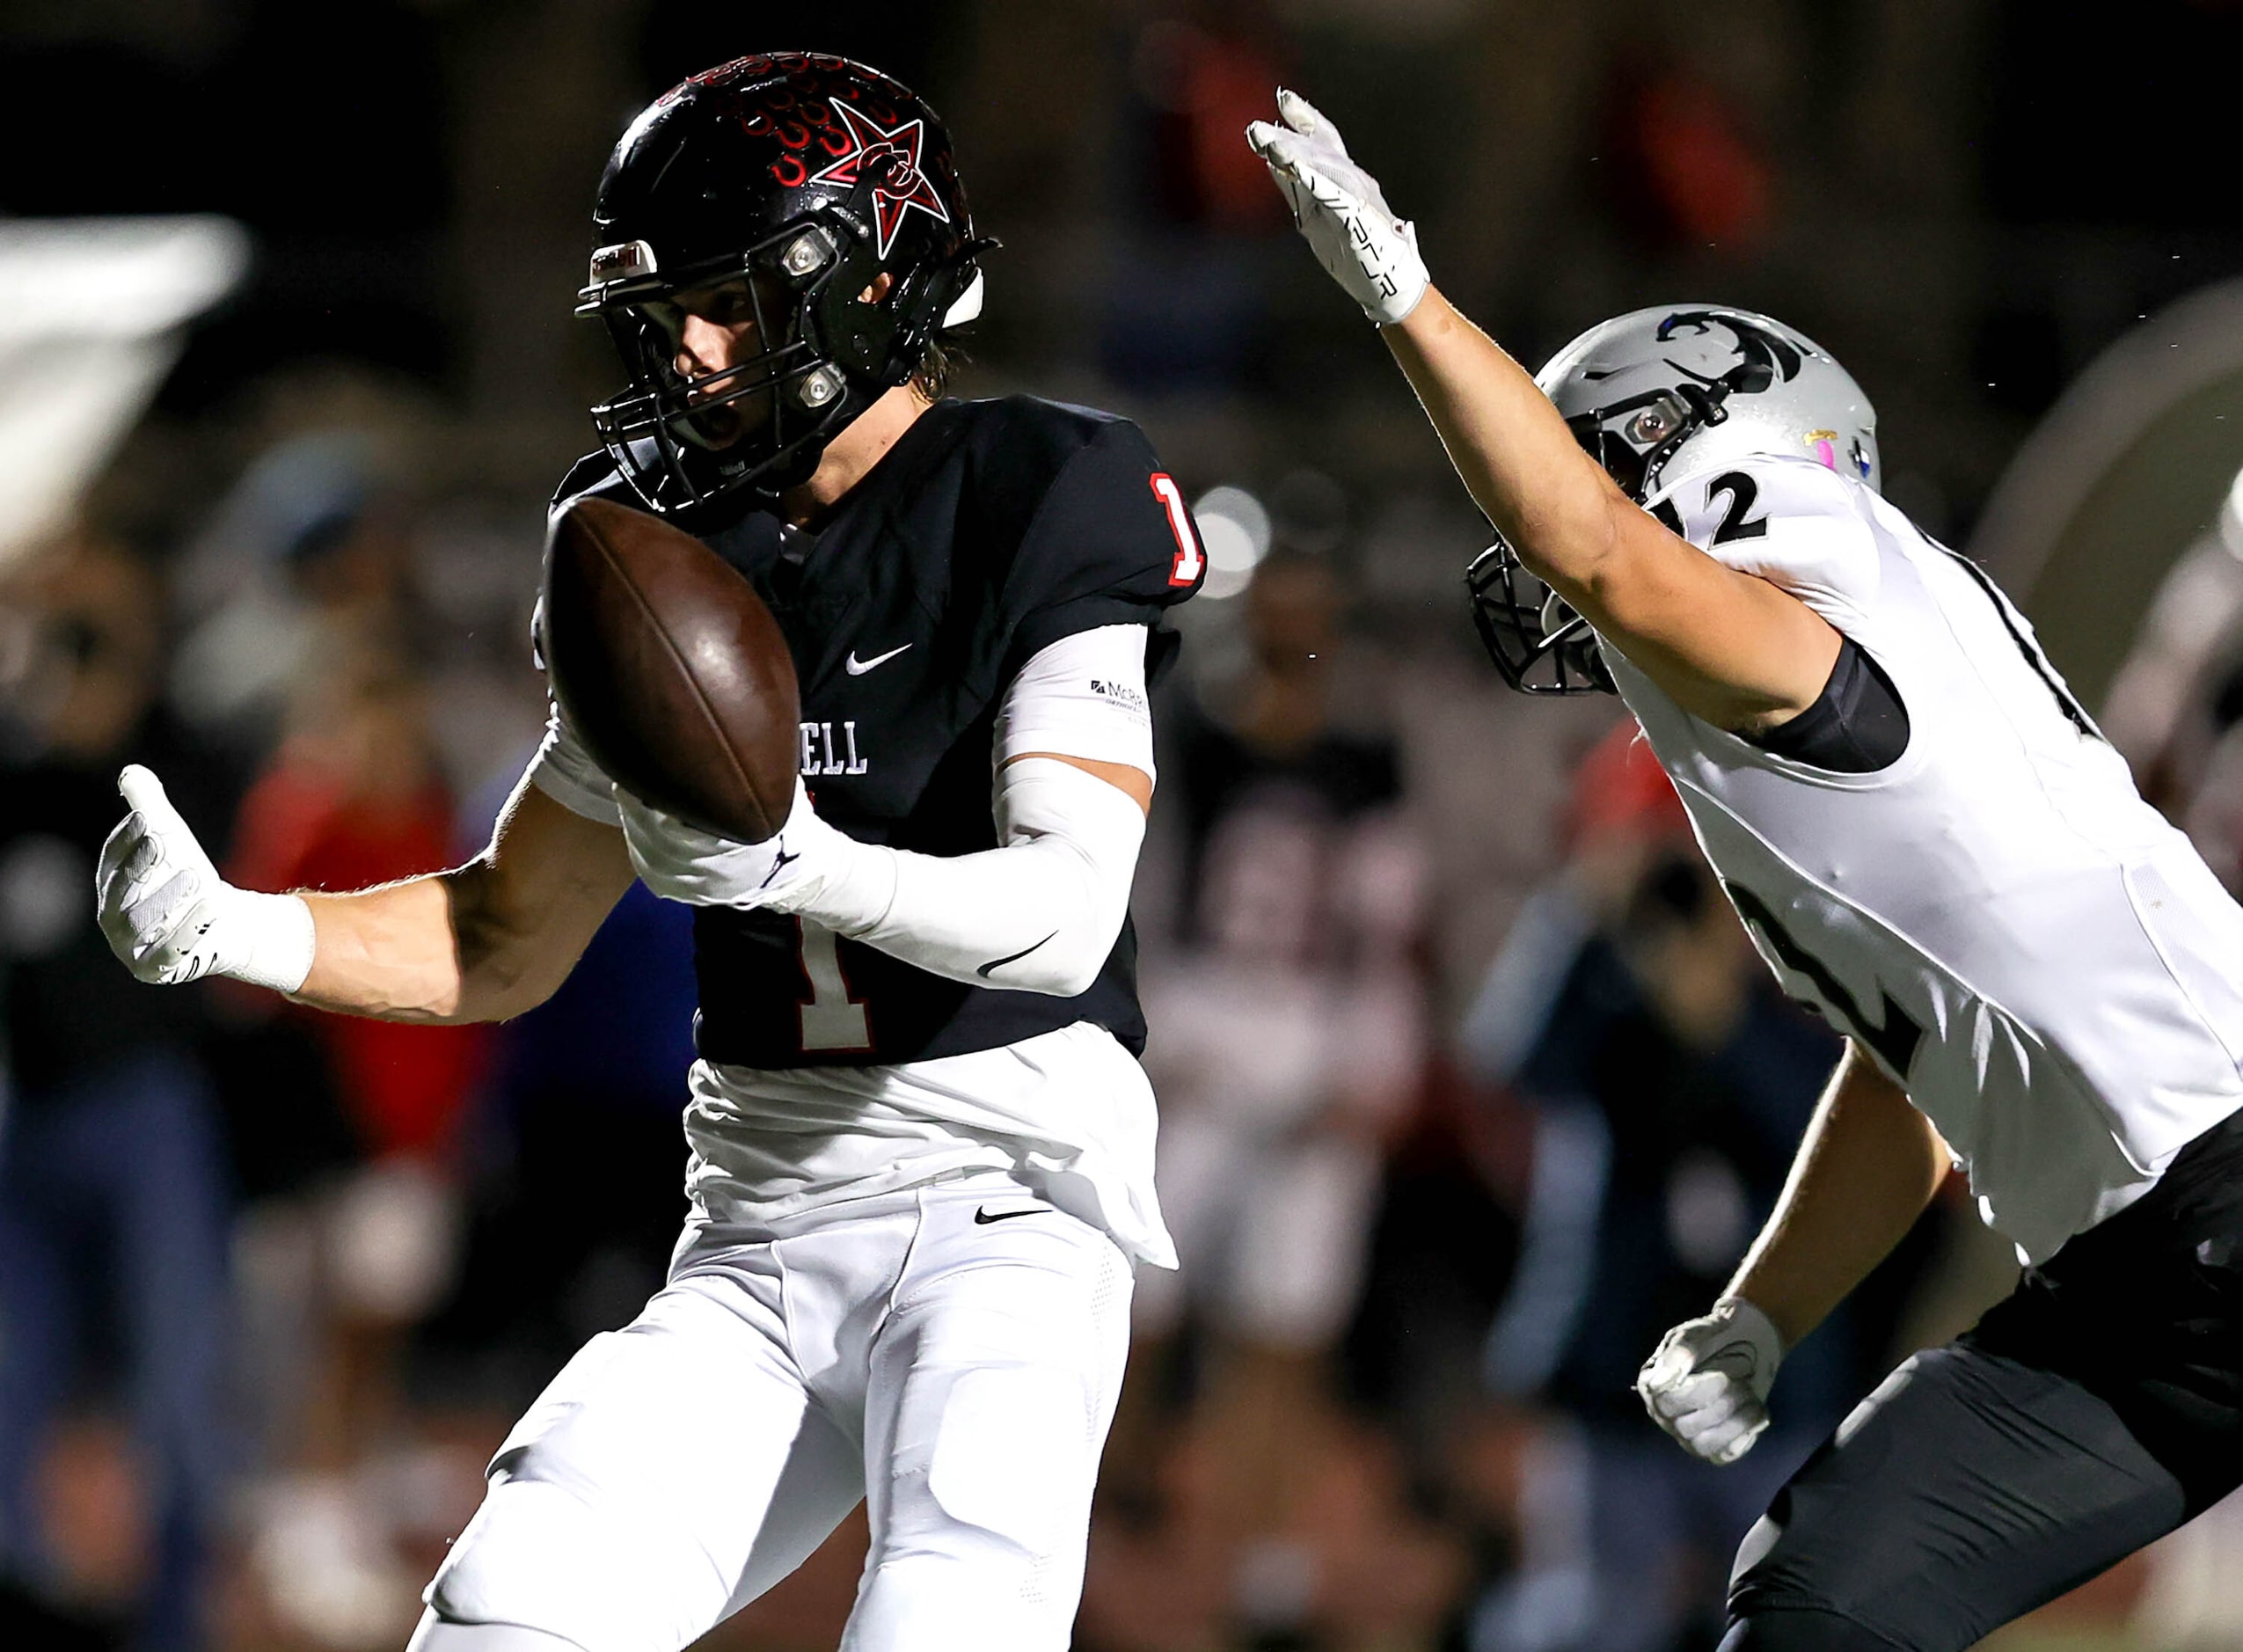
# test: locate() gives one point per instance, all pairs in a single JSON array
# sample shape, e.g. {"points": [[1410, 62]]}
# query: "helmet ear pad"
{"points": [[856, 335], [879, 343], [921, 299]]}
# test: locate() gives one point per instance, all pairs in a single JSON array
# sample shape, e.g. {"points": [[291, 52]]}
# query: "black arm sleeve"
{"points": [[1856, 726]]}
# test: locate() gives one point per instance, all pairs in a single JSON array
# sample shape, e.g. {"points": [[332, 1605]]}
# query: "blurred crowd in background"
{"points": [[1470, 1082]]}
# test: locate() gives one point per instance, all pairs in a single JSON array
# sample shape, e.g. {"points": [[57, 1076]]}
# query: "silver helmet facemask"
{"points": [[1634, 400]]}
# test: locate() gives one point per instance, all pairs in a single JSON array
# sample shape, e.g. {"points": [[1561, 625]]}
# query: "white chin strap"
{"points": [[966, 306]]}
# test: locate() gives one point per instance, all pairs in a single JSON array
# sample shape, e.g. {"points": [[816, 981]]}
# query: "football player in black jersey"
{"points": [[921, 1144]]}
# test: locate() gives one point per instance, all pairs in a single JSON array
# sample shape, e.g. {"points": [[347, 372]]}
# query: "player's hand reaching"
{"points": [[1708, 1383], [1339, 208], [170, 917], [681, 862]]}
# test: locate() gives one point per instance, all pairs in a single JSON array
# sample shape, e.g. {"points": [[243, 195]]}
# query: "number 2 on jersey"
{"points": [[1738, 493], [1737, 520], [831, 1019], [1188, 559]]}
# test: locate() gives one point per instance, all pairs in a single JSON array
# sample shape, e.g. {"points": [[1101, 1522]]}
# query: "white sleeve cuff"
{"points": [[1082, 695], [278, 940], [565, 771]]}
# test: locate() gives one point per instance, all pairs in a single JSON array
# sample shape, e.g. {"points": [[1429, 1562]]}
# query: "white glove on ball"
{"points": [[1708, 1383], [1338, 208], [170, 917], [786, 872]]}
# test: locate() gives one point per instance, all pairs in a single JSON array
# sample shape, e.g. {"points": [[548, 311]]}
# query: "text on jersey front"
{"points": [[823, 753]]}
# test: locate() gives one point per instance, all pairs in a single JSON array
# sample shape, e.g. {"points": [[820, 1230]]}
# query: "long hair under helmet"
{"points": [[1653, 395], [802, 178]]}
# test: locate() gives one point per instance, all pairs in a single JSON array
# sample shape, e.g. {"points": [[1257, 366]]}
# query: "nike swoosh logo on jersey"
{"points": [[983, 1216], [999, 963], [857, 667]]}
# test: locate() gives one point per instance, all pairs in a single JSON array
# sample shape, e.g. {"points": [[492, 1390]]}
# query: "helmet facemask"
{"points": [[685, 439], [1536, 641]]}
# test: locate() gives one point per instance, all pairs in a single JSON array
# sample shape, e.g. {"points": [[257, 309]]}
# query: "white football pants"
{"points": [[952, 1354]]}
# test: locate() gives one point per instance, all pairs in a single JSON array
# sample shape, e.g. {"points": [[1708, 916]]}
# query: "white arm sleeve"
{"points": [[1041, 912], [1081, 697], [565, 771]]}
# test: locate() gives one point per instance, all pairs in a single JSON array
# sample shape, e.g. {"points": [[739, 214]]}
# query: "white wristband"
{"points": [[275, 937]]}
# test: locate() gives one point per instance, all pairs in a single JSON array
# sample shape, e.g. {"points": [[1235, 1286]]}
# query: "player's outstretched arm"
{"points": [[484, 941], [1726, 647], [1867, 1166], [481, 942]]}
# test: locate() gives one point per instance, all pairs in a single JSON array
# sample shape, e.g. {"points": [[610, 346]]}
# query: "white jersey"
{"points": [[1997, 916]]}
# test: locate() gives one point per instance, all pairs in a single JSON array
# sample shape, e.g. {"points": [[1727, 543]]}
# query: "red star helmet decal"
{"points": [[891, 159]]}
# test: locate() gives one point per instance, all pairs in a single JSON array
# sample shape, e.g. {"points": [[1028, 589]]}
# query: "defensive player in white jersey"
{"points": [[921, 1146], [1931, 846]]}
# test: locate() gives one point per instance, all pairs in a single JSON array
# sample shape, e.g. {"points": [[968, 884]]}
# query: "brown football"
{"points": [[671, 669]]}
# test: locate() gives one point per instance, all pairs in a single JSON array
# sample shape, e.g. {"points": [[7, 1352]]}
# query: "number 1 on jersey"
{"points": [[1188, 559], [830, 1018]]}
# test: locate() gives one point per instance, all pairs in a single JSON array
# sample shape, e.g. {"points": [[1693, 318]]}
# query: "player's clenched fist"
{"points": [[1707, 1384], [1340, 210], [170, 917]]}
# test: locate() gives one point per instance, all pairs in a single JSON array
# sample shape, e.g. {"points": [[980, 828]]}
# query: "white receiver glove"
{"points": [[1707, 1381], [170, 917], [681, 862], [1338, 208]]}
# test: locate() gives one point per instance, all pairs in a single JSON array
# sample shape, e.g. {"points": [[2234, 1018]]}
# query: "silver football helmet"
{"points": [[1654, 394]]}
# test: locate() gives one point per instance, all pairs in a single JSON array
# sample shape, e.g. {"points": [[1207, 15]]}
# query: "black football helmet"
{"points": [[795, 179]]}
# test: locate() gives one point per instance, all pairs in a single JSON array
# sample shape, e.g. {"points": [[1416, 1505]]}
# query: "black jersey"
{"points": [[991, 529]]}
